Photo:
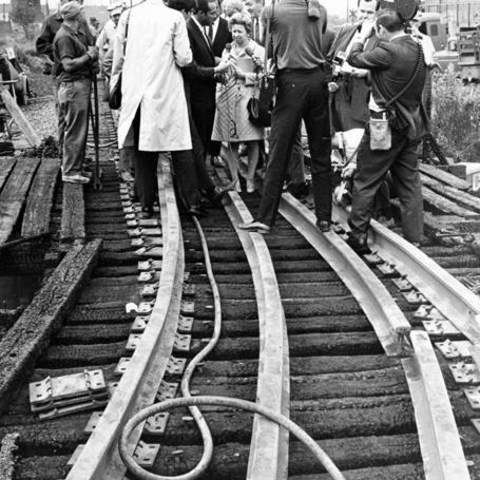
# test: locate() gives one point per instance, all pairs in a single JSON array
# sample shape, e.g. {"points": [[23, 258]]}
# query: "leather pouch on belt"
{"points": [[380, 134]]}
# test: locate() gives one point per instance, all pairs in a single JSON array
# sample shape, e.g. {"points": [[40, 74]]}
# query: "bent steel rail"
{"points": [[446, 293], [440, 444], [139, 384], [386, 318], [268, 458]]}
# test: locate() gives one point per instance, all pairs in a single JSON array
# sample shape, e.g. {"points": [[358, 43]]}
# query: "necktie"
{"points": [[210, 32]]}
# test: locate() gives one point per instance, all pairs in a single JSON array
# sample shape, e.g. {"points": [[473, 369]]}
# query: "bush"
{"points": [[456, 116]]}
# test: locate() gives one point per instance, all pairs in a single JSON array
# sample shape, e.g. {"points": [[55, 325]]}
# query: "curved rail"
{"points": [[439, 438], [386, 318], [139, 384], [450, 297], [268, 458]]}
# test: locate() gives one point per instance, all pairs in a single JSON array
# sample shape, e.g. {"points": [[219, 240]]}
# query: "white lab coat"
{"points": [[157, 45]]}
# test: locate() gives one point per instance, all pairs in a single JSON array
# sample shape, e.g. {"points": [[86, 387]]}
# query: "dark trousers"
{"points": [[204, 181], [301, 94], [145, 184], [372, 167], [203, 116]]}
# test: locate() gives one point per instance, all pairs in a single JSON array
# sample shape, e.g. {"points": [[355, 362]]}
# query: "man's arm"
{"points": [[44, 41], [377, 59]]}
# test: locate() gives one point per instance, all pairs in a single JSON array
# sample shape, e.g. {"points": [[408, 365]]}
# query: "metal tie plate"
{"points": [[146, 277], [476, 424], [112, 386], [146, 453], [88, 382], [403, 284], [137, 242], [473, 397], [133, 342], [166, 391], [130, 216], [156, 424], [70, 409], [186, 277], [137, 232], [149, 222], [132, 223], [414, 297], [153, 232], [139, 324], [75, 455], [185, 324], [465, 372], [92, 422], [388, 269], [428, 312], [188, 289], [440, 327], [149, 290], [182, 343], [373, 259], [452, 350], [122, 365], [149, 264], [187, 307], [176, 366], [145, 308]]}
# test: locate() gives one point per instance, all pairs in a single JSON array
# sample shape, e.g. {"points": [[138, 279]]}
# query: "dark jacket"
{"points": [[200, 74], [358, 88], [222, 37], [50, 28], [392, 65]]}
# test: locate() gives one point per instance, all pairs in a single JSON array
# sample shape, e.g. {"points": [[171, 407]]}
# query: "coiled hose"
{"points": [[193, 402]]}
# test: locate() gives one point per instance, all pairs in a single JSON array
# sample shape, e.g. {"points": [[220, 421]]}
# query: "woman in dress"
{"points": [[240, 83]]}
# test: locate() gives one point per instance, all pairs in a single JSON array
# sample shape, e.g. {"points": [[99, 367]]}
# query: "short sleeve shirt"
{"points": [[67, 44]]}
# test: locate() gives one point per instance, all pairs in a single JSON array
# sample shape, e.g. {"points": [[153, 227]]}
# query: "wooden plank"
{"points": [[458, 196], [445, 205], [444, 177], [14, 193], [73, 214], [20, 119], [27, 338], [36, 219], [6, 166]]}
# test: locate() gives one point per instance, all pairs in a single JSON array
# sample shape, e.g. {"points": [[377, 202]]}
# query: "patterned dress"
{"points": [[231, 115]]}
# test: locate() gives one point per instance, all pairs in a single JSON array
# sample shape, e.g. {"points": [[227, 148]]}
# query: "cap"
{"points": [[115, 9], [70, 10]]}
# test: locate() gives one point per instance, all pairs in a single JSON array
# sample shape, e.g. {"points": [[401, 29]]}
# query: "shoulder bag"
{"points": [[115, 93], [260, 107], [380, 130]]}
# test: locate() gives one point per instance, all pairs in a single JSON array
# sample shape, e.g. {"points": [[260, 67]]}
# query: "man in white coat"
{"points": [[154, 115]]}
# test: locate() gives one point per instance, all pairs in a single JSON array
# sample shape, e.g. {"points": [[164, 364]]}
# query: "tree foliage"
{"points": [[24, 13]]}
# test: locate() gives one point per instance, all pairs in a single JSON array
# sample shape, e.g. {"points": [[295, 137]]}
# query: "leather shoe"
{"points": [[255, 227], [197, 211], [323, 225], [358, 244]]}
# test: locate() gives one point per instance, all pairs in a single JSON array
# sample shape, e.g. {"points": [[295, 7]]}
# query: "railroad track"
{"points": [[304, 330]]}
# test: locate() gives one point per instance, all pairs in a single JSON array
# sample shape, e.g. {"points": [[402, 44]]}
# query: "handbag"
{"points": [[115, 90], [380, 129], [260, 107]]}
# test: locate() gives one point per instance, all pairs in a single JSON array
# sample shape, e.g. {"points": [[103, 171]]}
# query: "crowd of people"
{"points": [[188, 69]]}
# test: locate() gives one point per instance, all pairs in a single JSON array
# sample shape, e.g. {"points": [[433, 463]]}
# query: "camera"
{"points": [[339, 58]]}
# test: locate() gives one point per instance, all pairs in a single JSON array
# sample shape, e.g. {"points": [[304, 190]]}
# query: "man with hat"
{"points": [[107, 35], [75, 64]]}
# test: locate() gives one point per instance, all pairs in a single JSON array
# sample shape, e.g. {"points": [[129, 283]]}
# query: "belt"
{"points": [[320, 68]]}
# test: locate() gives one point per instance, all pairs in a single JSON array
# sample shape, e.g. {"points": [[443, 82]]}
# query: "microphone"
{"points": [[249, 50], [228, 47]]}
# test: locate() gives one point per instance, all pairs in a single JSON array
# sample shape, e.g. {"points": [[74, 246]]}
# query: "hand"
{"points": [[333, 87], [349, 169], [358, 73], [222, 66], [93, 53], [368, 28]]}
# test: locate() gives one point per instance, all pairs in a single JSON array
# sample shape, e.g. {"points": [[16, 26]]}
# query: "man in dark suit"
{"points": [[349, 91], [397, 62], [202, 79]]}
